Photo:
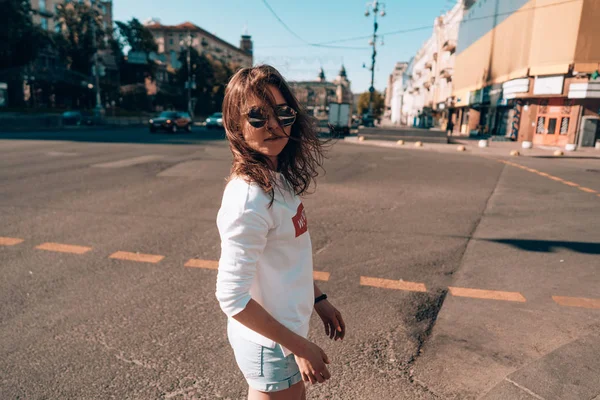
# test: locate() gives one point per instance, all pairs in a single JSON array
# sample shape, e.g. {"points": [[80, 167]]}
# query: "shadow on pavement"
{"points": [[549, 246], [119, 135], [567, 157]]}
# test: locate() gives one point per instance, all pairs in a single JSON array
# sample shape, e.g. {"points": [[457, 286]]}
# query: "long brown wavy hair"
{"points": [[300, 159]]}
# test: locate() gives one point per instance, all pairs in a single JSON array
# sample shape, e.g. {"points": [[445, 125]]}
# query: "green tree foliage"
{"points": [[75, 43], [136, 36], [210, 75], [133, 36], [20, 38], [378, 103], [20, 42]]}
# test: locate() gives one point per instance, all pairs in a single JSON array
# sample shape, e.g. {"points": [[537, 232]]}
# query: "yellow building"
{"points": [[44, 12], [315, 96], [528, 70], [171, 40]]}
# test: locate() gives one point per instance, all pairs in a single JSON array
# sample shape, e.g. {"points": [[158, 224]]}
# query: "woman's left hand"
{"points": [[332, 319]]}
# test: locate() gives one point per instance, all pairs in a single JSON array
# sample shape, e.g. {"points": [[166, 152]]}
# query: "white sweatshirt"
{"points": [[266, 255]]}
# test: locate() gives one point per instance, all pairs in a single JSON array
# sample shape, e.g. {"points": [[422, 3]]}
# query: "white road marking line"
{"points": [[128, 162]]}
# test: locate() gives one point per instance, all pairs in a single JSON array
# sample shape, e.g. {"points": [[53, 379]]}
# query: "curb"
{"points": [[568, 371], [472, 150]]}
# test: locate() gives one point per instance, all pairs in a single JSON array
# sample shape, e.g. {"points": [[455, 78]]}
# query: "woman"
{"points": [[265, 283]]}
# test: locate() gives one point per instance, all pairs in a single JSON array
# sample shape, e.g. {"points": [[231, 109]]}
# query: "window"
{"points": [[171, 41], [57, 28], [551, 126], [44, 23], [42, 5], [564, 126], [540, 125]]}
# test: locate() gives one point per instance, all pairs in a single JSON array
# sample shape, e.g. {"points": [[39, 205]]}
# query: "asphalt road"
{"points": [[91, 323]]}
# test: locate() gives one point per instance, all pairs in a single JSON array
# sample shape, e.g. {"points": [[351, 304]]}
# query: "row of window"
{"points": [[551, 126], [42, 6]]}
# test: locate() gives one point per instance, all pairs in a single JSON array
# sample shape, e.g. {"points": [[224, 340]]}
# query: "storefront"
{"points": [[461, 113], [554, 122], [587, 95], [3, 94], [553, 119]]}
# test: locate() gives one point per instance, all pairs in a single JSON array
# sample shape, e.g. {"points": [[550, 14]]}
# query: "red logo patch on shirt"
{"points": [[300, 222]]}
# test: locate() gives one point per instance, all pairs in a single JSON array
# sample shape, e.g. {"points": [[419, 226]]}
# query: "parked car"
{"points": [[77, 118], [215, 121], [171, 121]]}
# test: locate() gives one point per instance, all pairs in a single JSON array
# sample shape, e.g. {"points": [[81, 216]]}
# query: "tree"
{"points": [[136, 36], [76, 41], [210, 75], [378, 103], [82, 35], [20, 42]]}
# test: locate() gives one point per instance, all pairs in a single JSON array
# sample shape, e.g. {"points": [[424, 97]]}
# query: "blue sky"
{"points": [[314, 21]]}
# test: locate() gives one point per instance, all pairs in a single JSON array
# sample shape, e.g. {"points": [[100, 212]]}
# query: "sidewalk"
{"points": [[494, 149], [533, 330]]}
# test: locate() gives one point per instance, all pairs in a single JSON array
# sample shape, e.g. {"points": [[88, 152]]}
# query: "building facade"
{"points": [[172, 39], [45, 11], [315, 96], [426, 95], [394, 93], [529, 71]]}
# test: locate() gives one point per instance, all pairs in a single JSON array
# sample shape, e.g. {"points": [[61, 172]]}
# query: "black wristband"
{"points": [[321, 297]]}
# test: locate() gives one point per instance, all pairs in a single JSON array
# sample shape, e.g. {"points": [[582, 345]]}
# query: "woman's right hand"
{"points": [[311, 360]]}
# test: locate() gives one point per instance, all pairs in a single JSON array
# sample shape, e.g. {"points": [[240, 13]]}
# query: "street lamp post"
{"points": [[98, 110], [375, 6], [189, 82]]}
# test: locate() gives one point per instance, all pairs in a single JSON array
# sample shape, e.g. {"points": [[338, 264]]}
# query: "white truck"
{"points": [[339, 118]]}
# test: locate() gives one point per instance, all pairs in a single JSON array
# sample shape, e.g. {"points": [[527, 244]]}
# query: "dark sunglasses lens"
{"points": [[286, 115], [257, 123], [257, 118]]}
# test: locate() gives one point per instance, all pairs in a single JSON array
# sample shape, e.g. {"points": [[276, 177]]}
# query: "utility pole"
{"points": [[375, 6], [98, 110], [189, 79]]}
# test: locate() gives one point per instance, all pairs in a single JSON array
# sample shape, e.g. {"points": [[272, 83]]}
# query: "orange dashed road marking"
{"points": [[570, 183], [392, 284], [206, 264], [64, 248], [147, 258], [7, 241], [321, 276], [577, 302], [487, 294], [554, 178]]}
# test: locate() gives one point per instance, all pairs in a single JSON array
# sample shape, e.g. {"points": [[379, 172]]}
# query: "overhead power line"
{"points": [[287, 28], [426, 27]]}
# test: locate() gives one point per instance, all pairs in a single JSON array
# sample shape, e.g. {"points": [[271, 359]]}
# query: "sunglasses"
{"points": [[258, 117]]}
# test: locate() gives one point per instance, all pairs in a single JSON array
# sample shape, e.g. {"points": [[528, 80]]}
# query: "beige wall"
{"points": [[588, 43], [544, 37], [554, 36]]}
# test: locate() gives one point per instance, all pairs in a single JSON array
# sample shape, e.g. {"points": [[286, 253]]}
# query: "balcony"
{"points": [[446, 74], [449, 45]]}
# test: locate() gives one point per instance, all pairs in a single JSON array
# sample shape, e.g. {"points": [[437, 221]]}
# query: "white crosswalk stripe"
{"points": [[128, 162]]}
